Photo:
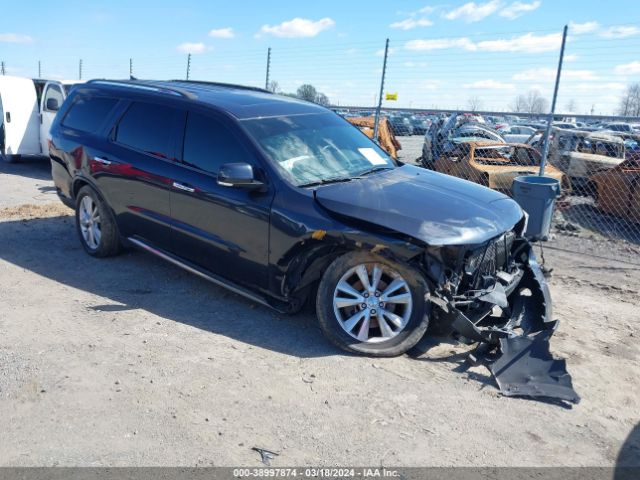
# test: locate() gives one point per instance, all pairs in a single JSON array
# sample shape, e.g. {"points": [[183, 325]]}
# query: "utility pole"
{"points": [[131, 69], [545, 150], [39, 70], [188, 65], [266, 82], [384, 71], [80, 70]]}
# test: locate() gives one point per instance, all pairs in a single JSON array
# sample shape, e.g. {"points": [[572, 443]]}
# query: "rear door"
{"points": [[51, 101], [20, 105], [222, 229], [135, 174]]}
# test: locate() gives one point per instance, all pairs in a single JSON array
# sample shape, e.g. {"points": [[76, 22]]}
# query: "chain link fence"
{"points": [[473, 106]]}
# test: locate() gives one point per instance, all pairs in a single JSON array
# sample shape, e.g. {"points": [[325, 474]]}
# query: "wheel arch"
{"points": [[308, 259]]}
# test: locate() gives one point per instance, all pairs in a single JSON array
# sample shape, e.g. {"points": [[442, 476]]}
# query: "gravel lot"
{"points": [[131, 361]]}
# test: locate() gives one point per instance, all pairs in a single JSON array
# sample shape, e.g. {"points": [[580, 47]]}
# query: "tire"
{"points": [[108, 242], [332, 318]]}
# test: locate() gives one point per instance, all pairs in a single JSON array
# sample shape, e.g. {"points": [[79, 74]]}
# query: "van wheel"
{"points": [[369, 304], [95, 224]]}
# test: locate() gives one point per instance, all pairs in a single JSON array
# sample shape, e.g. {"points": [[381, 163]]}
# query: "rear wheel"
{"points": [[371, 305], [95, 224]]}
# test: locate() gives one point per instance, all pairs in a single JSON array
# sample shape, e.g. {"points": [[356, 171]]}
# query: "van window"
{"points": [[53, 91], [88, 113], [208, 144], [149, 128]]}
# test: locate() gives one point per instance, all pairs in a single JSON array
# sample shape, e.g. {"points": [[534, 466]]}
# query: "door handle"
{"points": [[181, 186], [103, 161]]}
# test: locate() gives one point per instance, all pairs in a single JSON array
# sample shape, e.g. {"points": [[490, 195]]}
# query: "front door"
{"points": [[223, 229]]}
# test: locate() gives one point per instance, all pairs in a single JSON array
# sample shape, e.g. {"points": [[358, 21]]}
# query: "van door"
{"points": [[51, 102], [20, 115]]}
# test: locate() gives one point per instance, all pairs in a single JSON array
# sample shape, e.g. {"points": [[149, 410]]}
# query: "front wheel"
{"points": [[368, 304]]}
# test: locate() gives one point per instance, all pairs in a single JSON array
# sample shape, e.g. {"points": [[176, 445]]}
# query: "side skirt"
{"points": [[189, 267]]}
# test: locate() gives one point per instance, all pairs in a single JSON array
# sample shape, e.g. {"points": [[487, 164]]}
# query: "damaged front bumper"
{"points": [[511, 319]]}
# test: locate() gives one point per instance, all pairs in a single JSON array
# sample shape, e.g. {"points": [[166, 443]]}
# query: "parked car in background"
{"points": [[617, 190], [282, 201], [495, 165], [27, 109], [400, 125], [445, 135], [618, 127], [516, 133], [420, 125], [581, 154]]}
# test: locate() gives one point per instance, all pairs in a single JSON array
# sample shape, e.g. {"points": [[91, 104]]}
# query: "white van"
{"points": [[27, 108]]}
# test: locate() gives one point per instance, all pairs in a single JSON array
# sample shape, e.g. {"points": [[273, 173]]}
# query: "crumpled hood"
{"points": [[429, 206]]}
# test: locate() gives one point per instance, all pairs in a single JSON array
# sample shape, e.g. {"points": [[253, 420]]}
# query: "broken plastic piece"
{"points": [[266, 455], [526, 368]]}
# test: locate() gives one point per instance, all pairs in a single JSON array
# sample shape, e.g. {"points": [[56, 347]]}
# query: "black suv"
{"points": [[282, 201]]}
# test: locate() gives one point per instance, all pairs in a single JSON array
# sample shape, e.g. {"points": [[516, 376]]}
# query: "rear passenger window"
{"points": [[87, 113], [208, 144], [148, 127]]}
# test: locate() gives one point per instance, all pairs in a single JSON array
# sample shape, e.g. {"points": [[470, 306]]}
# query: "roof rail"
{"points": [[141, 85], [224, 85]]}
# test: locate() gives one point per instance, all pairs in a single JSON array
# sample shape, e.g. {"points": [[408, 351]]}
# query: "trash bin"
{"points": [[537, 196]]}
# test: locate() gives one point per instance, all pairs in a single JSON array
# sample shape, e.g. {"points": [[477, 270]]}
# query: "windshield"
{"points": [[314, 148]]}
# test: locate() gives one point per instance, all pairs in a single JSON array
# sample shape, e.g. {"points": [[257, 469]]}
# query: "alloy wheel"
{"points": [[89, 218], [372, 302]]}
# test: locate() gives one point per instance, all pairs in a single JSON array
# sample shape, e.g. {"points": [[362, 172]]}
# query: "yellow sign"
{"points": [[391, 96]]}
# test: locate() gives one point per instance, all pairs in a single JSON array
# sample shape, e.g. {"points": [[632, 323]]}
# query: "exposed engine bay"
{"points": [[496, 295]]}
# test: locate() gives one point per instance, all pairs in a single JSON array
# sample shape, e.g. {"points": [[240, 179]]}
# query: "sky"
{"points": [[441, 54]]}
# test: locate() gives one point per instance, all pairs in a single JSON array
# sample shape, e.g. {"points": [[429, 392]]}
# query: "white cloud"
{"points": [[194, 48], [620, 32], [572, 57], [527, 43], [627, 68], [473, 12], [524, 43], [440, 44], [582, 28], [517, 9], [537, 74], [222, 33], [298, 28], [490, 84], [411, 23], [15, 38]]}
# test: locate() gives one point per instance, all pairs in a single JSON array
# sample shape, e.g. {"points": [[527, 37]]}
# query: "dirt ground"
{"points": [[131, 361]]}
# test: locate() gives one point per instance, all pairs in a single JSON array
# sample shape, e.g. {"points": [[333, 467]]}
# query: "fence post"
{"points": [[266, 82], [545, 148], [188, 65], [384, 71], [130, 68], [39, 70], [80, 70]]}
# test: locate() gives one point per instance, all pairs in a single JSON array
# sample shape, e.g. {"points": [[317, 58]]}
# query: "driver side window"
{"points": [[209, 144]]}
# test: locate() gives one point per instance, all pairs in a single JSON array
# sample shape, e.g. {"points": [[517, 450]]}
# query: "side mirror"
{"points": [[238, 175], [52, 104]]}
